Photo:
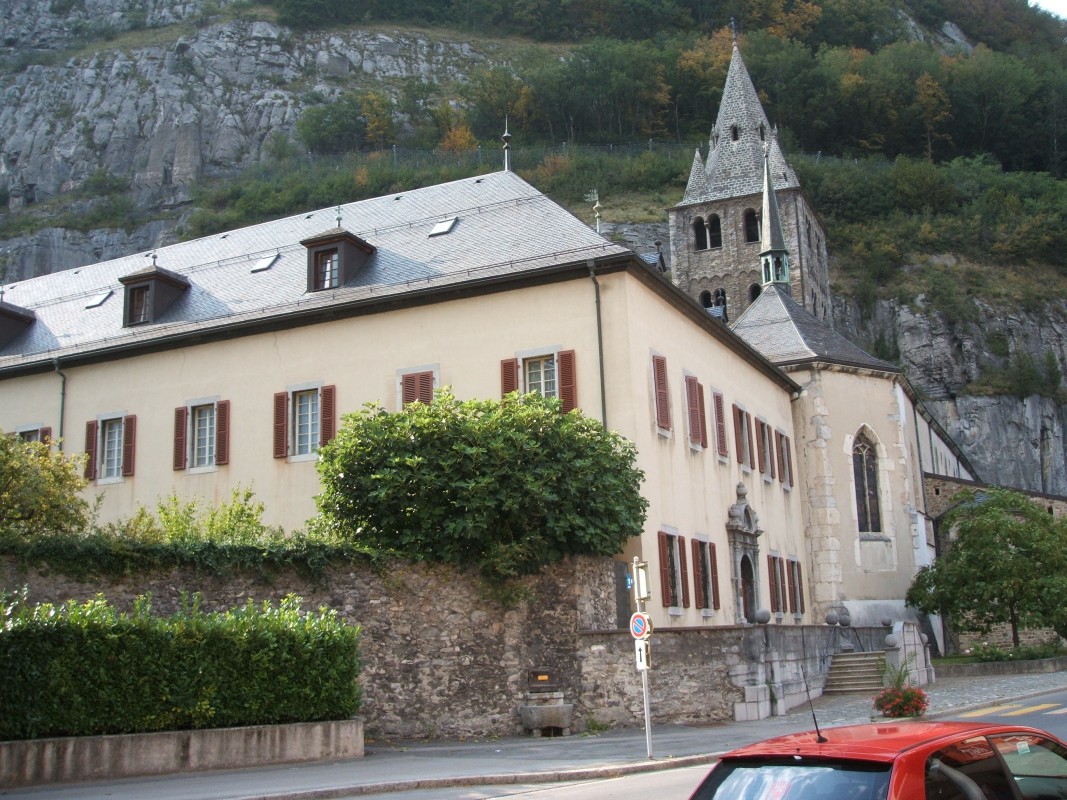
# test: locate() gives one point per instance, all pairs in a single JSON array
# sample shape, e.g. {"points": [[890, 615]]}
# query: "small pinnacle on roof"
{"points": [[507, 147]]}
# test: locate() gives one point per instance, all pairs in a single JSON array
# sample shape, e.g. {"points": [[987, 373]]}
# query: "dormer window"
{"points": [[149, 293], [138, 305], [13, 321], [334, 258], [327, 270]]}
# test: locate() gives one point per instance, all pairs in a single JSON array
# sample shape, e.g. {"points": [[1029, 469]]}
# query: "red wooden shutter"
{"points": [[129, 444], [509, 376], [800, 586], [769, 434], [425, 387], [692, 404], [665, 567], [90, 450], [417, 386], [684, 570], [748, 423], [761, 451], [792, 584], [568, 381], [281, 424], [180, 449], [328, 413], [222, 432], [738, 440], [703, 418], [714, 580], [788, 460], [720, 425], [778, 448], [46, 435], [781, 583], [698, 576], [772, 573], [663, 401]]}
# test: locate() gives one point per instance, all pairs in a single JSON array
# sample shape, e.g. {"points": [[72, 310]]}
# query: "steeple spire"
{"points": [[774, 257]]}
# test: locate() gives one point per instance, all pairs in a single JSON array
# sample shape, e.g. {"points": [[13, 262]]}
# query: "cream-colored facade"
{"points": [[618, 321]]}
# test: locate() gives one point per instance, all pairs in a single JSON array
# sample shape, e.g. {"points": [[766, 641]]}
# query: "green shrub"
{"points": [[86, 669]]}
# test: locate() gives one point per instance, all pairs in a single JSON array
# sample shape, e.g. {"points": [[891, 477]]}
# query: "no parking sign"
{"points": [[640, 625]]}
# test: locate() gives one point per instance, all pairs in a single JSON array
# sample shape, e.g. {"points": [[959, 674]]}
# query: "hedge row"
{"points": [[86, 669]]}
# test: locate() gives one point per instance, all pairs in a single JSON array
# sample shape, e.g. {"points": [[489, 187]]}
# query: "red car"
{"points": [[895, 761]]}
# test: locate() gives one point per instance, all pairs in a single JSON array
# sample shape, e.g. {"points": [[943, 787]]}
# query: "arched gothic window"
{"points": [[865, 474], [754, 291], [705, 299], [700, 234], [751, 226], [714, 231]]}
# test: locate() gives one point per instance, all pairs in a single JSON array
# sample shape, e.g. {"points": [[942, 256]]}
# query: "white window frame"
{"points": [[327, 269], [191, 430], [305, 445], [108, 423], [30, 433], [525, 357]]}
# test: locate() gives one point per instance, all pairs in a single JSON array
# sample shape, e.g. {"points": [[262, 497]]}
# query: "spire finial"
{"points": [[507, 146], [338, 215], [733, 29], [154, 256]]}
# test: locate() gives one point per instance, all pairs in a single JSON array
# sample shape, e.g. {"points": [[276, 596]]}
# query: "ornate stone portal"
{"points": [[743, 531]]}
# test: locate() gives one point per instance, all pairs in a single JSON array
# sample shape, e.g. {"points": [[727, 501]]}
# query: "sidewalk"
{"points": [[393, 766]]}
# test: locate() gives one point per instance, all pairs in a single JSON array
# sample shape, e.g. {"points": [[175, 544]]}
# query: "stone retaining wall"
{"points": [[442, 659], [1040, 665]]}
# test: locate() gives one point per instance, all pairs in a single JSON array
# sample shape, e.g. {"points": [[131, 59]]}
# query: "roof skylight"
{"points": [[444, 226], [97, 300], [264, 263]]}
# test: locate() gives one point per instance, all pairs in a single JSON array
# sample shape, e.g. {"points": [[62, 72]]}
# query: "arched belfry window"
{"points": [[700, 234], [751, 226], [762, 132], [705, 299], [714, 231], [865, 474], [754, 291]]}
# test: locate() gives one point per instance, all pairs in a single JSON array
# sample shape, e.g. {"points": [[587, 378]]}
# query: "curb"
{"points": [[552, 776]]}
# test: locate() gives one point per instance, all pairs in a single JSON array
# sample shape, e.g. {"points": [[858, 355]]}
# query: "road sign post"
{"points": [[641, 630]]}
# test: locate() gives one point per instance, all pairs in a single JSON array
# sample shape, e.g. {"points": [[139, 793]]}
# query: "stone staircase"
{"points": [[855, 672]]}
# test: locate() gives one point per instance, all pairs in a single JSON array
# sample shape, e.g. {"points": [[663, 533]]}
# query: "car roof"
{"points": [[882, 741]]}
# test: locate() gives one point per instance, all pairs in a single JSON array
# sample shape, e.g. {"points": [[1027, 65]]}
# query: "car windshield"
{"points": [[795, 779]]}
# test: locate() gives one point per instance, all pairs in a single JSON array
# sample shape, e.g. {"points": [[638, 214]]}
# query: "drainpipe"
{"points": [[600, 345], [62, 399]]}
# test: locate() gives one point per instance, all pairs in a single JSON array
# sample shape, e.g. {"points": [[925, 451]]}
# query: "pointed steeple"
{"points": [[774, 257], [697, 185], [735, 147]]}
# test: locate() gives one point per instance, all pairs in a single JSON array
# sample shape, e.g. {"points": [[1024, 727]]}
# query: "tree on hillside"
{"points": [[1007, 563], [504, 486], [39, 489]]}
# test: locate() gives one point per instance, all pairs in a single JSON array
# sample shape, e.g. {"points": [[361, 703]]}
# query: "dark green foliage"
{"points": [[85, 669], [307, 14], [227, 538], [39, 490], [505, 487], [1007, 563], [337, 127]]}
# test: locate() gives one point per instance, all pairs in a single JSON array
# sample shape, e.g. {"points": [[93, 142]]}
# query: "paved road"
{"points": [[408, 766], [1048, 712]]}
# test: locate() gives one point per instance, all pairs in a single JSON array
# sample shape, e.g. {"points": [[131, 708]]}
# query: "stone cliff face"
{"points": [[200, 99], [165, 115]]}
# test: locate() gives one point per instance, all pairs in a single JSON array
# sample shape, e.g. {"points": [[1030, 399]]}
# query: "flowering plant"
{"points": [[902, 701]]}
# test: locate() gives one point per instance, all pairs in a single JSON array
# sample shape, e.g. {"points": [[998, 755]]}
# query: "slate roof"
{"points": [[504, 227], [785, 333], [735, 168]]}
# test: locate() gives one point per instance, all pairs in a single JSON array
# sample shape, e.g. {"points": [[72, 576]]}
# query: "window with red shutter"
{"points": [[509, 376], [700, 595], [683, 571], [568, 381], [90, 449], [666, 571], [222, 433], [761, 450], [692, 404], [46, 435], [714, 580], [129, 444], [800, 587], [417, 386], [791, 584], [281, 424], [778, 446], [328, 406], [663, 402], [720, 426], [181, 449]]}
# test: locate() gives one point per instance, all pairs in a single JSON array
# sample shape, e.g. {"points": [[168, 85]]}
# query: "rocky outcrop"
{"points": [[1011, 440]]}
